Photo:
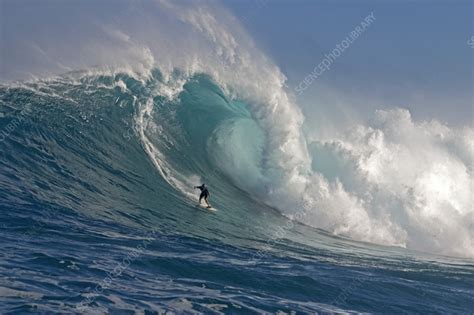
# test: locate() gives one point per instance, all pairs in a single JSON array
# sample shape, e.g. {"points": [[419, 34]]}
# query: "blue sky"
{"points": [[415, 55]]}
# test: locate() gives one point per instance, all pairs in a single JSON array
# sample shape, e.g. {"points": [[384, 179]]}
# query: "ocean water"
{"points": [[98, 214]]}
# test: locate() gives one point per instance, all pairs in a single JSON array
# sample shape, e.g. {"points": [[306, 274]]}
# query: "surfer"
{"points": [[204, 194]]}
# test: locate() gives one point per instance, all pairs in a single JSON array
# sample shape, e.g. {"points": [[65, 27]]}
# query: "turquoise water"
{"points": [[98, 214]]}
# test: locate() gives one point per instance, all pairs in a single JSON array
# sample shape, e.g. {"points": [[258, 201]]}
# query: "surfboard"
{"points": [[205, 207]]}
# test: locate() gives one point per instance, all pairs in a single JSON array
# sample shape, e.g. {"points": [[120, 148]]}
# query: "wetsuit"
{"points": [[204, 192]]}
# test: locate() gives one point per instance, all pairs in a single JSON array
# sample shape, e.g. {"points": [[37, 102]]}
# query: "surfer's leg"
{"points": [[205, 198], [200, 197]]}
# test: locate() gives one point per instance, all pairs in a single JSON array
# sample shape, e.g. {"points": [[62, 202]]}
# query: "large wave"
{"points": [[391, 181]]}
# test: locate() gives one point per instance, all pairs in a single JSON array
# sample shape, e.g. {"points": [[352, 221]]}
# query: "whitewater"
{"points": [[100, 156]]}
